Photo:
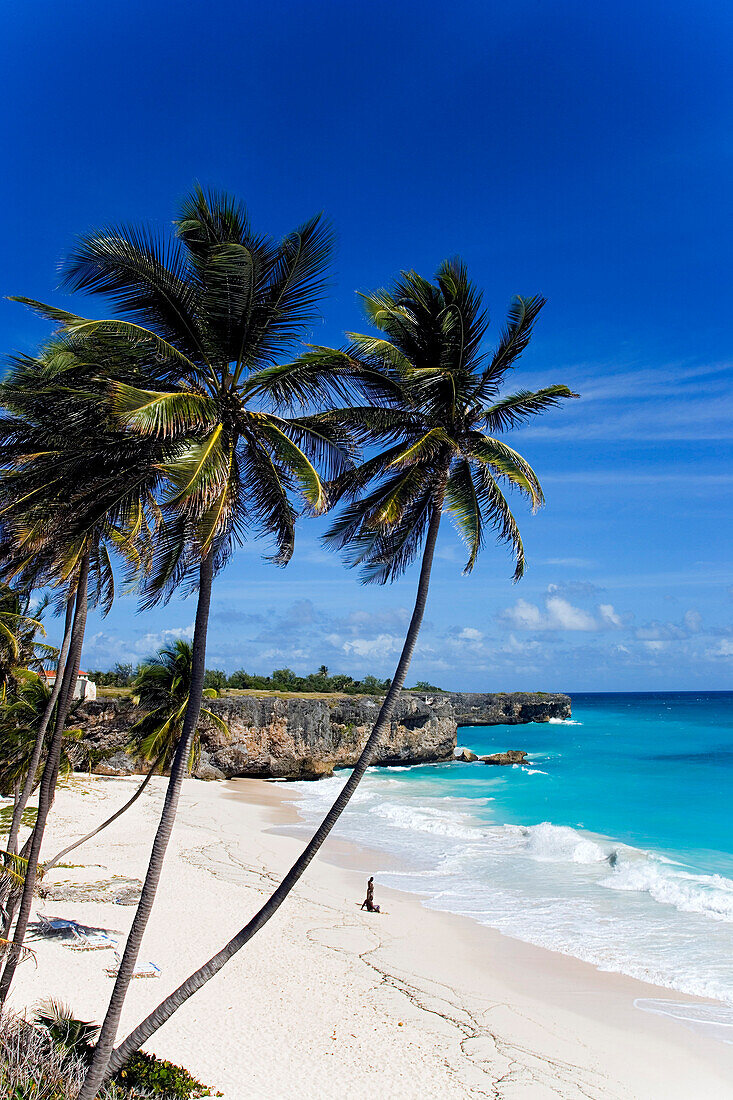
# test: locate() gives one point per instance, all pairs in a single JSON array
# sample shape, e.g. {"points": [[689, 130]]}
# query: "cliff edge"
{"points": [[302, 737]]}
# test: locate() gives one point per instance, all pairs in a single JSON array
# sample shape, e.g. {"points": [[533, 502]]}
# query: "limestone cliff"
{"points": [[515, 708], [307, 737]]}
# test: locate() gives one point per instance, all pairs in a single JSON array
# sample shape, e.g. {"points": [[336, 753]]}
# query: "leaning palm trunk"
{"points": [[118, 813], [30, 779], [48, 780], [102, 1052], [165, 1010]]}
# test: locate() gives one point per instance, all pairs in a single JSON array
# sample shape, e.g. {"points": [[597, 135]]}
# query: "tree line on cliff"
{"points": [[122, 675], [191, 417]]}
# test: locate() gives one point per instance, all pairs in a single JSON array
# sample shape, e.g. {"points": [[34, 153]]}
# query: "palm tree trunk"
{"points": [[30, 779], [14, 899], [118, 813], [103, 1050], [192, 984], [50, 771]]}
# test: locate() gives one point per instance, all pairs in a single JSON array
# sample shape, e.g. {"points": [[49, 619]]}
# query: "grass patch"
{"points": [[30, 813]]}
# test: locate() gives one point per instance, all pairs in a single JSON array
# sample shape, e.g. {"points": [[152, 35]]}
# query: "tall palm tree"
{"points": [[442, 455], [73, 488], [162, 688], [215, 308]]}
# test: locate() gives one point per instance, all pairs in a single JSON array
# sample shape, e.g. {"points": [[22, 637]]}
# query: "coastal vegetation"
{"points": [[280, 679], [46, 1058], [192, 419]]}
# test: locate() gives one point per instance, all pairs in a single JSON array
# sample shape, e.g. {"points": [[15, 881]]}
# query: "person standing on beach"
{"points": [[368, 902]]}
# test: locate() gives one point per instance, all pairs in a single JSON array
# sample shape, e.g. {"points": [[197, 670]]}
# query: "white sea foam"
{"points": [[564, 722], [559, 842], [616, 906], [426, 820], [709, 895]]}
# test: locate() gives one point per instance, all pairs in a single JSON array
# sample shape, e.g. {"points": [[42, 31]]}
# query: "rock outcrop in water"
{"points": [[306, 737], [511, 756]]}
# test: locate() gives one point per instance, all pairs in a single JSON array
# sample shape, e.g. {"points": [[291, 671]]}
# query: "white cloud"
{"points": [[380, 646], [563, 616], [102, 650], [560, 614], [693, 621], [724, 648], [469, 635], [571, 563], [515, 647], [609, 615], [148, 643]]}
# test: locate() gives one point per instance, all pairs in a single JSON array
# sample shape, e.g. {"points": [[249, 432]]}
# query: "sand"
{"points": [[332, 1002]]}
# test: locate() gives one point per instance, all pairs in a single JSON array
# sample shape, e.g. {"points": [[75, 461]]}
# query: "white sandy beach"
{"points": [[331, 1002]]}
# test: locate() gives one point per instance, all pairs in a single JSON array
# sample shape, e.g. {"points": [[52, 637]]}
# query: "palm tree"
{"points": [[162, 688], [19, 648], [19, 719], [73, 488], [440, 458], [49, 776], [215, 308], [19, 652], [31, 773]]}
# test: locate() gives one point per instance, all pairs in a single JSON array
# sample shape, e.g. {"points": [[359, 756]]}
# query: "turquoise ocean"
{"points": [[615, 844]]}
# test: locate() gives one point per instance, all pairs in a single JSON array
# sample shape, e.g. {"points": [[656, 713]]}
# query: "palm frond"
{"points": [[163, 414], [462, 503], [504, 461], [517, 408], [515, 337], [148, 278], [293, 459], [495, 511]]}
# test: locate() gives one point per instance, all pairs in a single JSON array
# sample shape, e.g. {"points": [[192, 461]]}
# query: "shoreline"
{"points": [[412, 1002]]}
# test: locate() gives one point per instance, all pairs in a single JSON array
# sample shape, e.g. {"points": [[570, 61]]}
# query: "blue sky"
{"points": [[559, 148]]}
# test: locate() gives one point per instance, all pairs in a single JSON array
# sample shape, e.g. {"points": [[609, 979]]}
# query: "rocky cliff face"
{"points": [[477, 709], [306, 737]]}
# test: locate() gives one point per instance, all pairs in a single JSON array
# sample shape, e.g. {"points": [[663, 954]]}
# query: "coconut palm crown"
{"points": [[161, 688], [72, 482], [213, 308], [440, 448]]}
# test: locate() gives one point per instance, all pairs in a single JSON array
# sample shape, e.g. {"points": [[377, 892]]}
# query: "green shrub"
{"points": [[158, 1077]]}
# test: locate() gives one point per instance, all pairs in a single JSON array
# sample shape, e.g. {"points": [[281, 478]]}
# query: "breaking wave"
{"points": [[611, 904]]}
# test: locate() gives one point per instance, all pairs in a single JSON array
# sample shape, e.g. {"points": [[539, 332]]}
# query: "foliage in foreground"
{"points": [[47, 1059], [147, 1075]]}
